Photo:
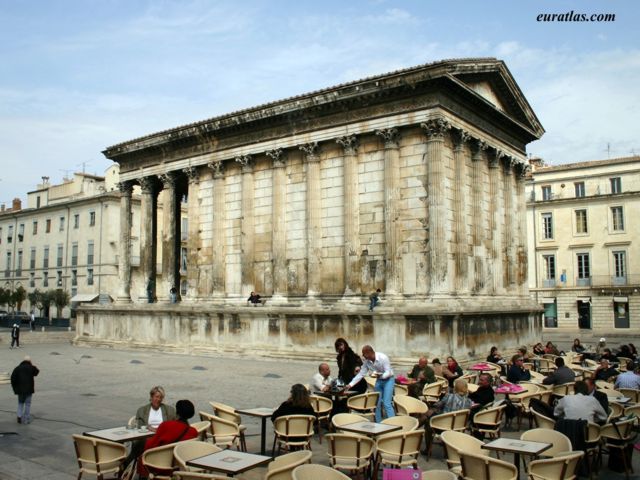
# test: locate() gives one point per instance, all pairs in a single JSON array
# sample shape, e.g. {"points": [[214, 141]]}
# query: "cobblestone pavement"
{"points": [[81, 389]]}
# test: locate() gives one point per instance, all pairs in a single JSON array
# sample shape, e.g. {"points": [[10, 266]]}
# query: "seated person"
{"points": [[580, 406], [457, 400], [605, 371], [452, 370], [155, 412], [562, 374], [625, 351], [577, 347], [298, 403], [597, 394], [538, 350], [321, 381], [484, 394], [254, 299], [494, 356], [171, 431], [607, 354], [437, 367], [551, 349], [628, 379], [423, 374], [517, 372]]}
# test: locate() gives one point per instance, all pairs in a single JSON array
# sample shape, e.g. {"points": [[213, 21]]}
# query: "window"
{"points": [[0, 234], [580, 192], [551, 314], [76, 220], [584, 313], [38, 201], [10, 234], [549, 280], [584, 270], [184, 229], [92, 219], [59, 278], [616, 185], [62, 224], [45, 258], [547, 226], [183, 259], [619, 268], [617, 219], [581, 221], [21, 232], [7, 270], [546, 192], [32, 259], [35, 227], [74, 254], [621, 313], [74, 278], [90, 253], [60, 255], [45, 279], [47, 227], [32, 279], [90, 276], [19, 264]]}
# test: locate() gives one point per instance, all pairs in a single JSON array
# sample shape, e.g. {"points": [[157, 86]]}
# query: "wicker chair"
{"points": [[432, 392], [292, 432], [364, 404], [406, 405], [99, 457], [482, 467], [542, 421], [617, 436], [185, 451], [456, 420], [457, 442], [488, 421], [340, 419], [399, 450], [281, 467], [229, 413], [559, 441], [317, 472], [322, 407], [184, 475], [350, 452], [561, 467], [159, 461], [223, 433]]}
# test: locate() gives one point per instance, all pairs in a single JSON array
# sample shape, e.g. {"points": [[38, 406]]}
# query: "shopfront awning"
{"points": [[549, 300], [583, 299], [621, 299], [84, 297]]}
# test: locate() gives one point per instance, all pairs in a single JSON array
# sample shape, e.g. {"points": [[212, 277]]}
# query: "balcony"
{"points": [[549, 283], [583, 282]]}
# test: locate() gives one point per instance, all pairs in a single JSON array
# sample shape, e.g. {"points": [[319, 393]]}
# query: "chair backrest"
{"points": [[456, 420], [321, 405], [633, 410], [559, 441], [185, 451], [562, 466], [401, 444], [226, 412], [604, 385], [281, 467], [294, 426], [184, 475], [615, 410], [406, 405], [456, 442], [400, 390], [223, 432], [632, 393], [202, 427], [439, 475], [98, 455], [160, 458], [432, 389], [340, 419], [482, 467], [406, 422], [563, 389], [364, 402], [355, 449], [608, 431], [490, 416], [317, 472], [623, 363], [593, 434], [543, 421]]}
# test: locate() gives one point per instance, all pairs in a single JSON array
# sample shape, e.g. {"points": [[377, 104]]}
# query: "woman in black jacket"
{"points": [[349, 364]]}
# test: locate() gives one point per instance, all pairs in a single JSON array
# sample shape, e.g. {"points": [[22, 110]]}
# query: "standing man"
{"points": [[33, 321], [15, 335], [23, 385], [378, 365], [321, 381], [374, 298]]}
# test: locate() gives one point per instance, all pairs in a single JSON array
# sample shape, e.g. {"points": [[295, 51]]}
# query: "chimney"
{"points": [[16, 205], [536, 163], [2, 208]]}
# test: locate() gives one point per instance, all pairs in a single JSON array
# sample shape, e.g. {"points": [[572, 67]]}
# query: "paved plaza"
{"points": [[81, 389]]}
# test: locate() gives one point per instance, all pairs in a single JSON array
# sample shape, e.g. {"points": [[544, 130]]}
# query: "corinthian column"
{"points": [[521, 220], [460, 240], [124, 247], [170, 245], [218, 233], [392, 227], [510, 227], [351, 215], [148, 231], [438, 255], [278, 231], [193, 234], [495, 221], [247, 227], [478, 216], [314, 225]]}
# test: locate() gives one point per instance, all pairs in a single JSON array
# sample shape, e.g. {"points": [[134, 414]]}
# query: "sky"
{"points": [[78, 76]]}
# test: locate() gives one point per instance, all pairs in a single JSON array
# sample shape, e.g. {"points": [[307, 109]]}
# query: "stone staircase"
{"points": [[47, 336]]}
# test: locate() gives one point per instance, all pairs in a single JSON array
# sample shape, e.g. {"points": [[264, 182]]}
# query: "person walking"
{"points": [[374, 298], [33, 321], [15, 336], [22, 382]]}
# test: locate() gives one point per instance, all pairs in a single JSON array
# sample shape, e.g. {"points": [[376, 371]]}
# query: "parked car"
{"points": [[19, 317], [3, 313]]}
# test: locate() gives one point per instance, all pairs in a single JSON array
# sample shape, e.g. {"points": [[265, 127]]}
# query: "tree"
{"points": [[4, 296], [19, 296], [46, 299], [61, 299], [35, 299]]}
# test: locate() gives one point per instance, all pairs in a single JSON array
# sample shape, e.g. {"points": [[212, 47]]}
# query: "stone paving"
{"points": [[81, 389]]}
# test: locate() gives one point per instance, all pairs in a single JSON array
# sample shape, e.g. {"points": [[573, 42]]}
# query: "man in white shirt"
{"points": [[580, 406], [321, 381], [377, 364]]}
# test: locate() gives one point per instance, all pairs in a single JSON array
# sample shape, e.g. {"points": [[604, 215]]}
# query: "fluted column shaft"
{"points": [[393, 267], [314, 223], [510, 227], [478, 212], [148, 247], [351, 215], [279, 231], [193, 234], [437, 203], [124, 247], [460, 219], [521, 221], [247, 227], [495, 222], [218, 257], [170, 245]]}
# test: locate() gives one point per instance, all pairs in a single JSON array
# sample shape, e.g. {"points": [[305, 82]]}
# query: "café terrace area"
{"points": [[81, 390]]}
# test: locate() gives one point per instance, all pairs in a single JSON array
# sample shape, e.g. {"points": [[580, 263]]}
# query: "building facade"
{"points": [[584, 251]]}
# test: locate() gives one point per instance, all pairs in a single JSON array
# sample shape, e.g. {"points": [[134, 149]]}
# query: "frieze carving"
{"points": [[390, 136], [168, 180], [436, 128], [349, 144], [125, 188], [246, 161], [192, 174], [147, 184], [279, 157], [218, 169], [311, 151], [460, 137]]}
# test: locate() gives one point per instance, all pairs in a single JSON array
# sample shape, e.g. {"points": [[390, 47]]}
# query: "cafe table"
{"points": [[370, 429], [517, 447], [263, 413], [230, 462], [121, 434], [336, 395]]}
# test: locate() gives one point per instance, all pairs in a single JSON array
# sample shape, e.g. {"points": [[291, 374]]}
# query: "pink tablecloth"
{"points": [[509, 389]]}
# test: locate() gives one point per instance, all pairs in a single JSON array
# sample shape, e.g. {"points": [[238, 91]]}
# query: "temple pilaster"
{"points": [[314, 225], [460, 233], [218, 253], [247, 227], [279, 232], [521, 221], [496, 216], [193, 234], [478, 216], [124, 247], [170, 244], [510, 227], [148, 230]]}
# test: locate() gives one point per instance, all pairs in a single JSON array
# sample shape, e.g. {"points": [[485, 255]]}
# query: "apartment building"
{"points": [[584, 248]]}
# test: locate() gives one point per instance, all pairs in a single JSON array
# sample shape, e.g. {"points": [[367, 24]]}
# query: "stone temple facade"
{"points": [[411, 182]]}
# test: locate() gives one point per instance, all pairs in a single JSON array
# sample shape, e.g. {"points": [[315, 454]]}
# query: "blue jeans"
{"points": [[24, 407], [385, 387], [373, 304]]}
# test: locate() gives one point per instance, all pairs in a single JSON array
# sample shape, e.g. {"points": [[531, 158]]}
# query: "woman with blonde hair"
{"points": [[456, 400]]}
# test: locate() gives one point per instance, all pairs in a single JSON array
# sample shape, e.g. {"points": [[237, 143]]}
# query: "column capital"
{"points": [[390, 136], [168, 179], [436, 128], [246, 161], [349, 144], [522, 170], [509, 164], [494, 160], [311, 151], [279, 157], [479, 147], [218, 169], [126, 188], [147, 184], [460, 137], [192, 174]]}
